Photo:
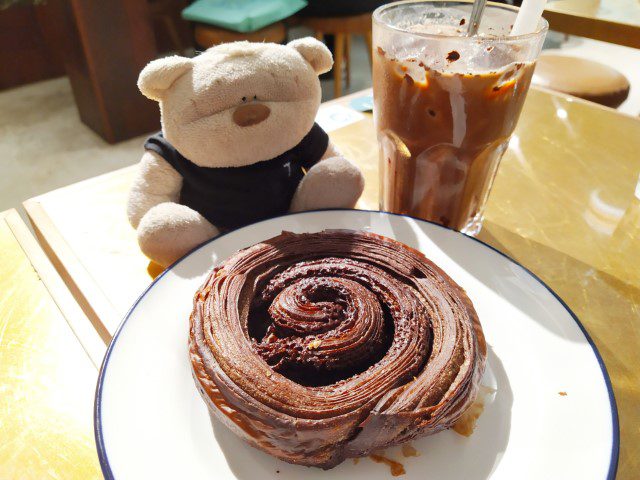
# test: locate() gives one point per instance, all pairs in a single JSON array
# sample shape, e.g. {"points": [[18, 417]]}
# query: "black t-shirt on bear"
{"points": [[230, 197]]}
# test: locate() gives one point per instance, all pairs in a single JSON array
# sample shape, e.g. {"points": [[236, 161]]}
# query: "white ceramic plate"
{"points": [[151, 422]]}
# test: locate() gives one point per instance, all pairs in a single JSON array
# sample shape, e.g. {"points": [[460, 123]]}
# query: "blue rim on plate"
{"points": [[97, 420]]}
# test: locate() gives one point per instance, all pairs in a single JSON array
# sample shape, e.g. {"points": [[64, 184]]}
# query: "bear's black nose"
{"points": [[251, 114]]}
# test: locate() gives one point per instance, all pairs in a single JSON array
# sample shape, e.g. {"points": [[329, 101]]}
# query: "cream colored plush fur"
{"points": [[197, 100]]}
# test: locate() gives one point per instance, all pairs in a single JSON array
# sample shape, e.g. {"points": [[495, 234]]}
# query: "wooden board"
{"points": [[47, 379]]}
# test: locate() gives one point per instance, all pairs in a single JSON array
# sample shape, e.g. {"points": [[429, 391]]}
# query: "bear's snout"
{"points": [[252, 114]]}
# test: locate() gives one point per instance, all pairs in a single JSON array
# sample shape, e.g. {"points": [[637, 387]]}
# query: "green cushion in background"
{"points": [[241, 15]]}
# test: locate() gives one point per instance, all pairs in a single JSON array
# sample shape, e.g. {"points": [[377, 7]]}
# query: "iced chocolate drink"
{"points": [[445, 106]]}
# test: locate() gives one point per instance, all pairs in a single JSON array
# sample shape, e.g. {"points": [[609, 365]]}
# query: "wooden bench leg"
{"points": [[347, 55], [337, 64], [173, 33], [369, 41]]}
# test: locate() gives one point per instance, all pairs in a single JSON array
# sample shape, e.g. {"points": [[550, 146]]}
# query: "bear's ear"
{"points": [[159, 75], [315, 52]]}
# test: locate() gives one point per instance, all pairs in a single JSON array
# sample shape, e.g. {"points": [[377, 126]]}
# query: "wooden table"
{"points": [[565, 204], [613, 21], [47, 378]]}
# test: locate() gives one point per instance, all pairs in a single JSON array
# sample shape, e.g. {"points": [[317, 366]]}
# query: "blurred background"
{"points": [[70, 108]]}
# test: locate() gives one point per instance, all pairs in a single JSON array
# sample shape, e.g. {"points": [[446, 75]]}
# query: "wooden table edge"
{"points": [[90, 298], [93, 345], [624, 34]]}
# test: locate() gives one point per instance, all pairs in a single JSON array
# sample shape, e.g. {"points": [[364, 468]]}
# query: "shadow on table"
{"points": [[445, 455]]}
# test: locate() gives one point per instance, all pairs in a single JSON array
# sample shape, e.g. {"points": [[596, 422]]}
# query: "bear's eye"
{"points": [[244, 99]]}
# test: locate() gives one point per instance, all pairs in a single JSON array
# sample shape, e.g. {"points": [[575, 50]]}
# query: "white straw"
{"points": [[528, 17]]}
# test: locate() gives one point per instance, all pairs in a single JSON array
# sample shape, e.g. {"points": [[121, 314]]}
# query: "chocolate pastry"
{"points": [[319, 347]]}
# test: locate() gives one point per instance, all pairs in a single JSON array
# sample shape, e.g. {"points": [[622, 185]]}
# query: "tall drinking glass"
{"points": [[446, 104]]}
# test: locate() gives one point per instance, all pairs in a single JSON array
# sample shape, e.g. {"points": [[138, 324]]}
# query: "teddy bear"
{"points": [[239, 143]]}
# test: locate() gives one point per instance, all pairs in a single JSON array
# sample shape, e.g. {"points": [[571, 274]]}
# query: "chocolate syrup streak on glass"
{"points": [[442, 135]]}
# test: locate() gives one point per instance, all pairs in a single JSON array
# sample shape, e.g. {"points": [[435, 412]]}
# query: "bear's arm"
{"points": [[156, 182], [332, 151], [333, 182]]}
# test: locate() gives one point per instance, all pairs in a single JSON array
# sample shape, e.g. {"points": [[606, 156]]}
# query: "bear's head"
{"points": [[238, 103]]}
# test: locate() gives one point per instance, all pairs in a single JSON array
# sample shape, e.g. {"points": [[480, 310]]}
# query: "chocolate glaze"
{"points": [[318, 347]]}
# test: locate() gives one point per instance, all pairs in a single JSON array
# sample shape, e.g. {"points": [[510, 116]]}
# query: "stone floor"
{"points": [[44, 146]]}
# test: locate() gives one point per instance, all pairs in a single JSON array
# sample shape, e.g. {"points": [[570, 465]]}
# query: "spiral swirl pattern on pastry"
{"points": [[318, 347]]}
